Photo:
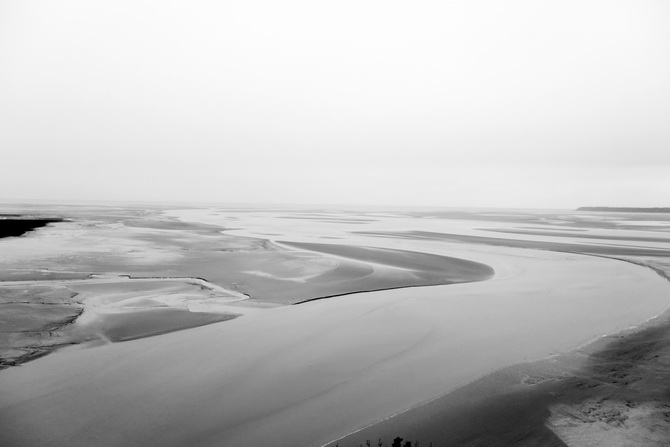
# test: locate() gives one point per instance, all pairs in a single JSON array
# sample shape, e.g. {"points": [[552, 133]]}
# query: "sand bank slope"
{"points": [[308, 374], [361, 268]]}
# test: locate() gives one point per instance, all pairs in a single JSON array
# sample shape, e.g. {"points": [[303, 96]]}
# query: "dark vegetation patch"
{"points": [[12, 226]]}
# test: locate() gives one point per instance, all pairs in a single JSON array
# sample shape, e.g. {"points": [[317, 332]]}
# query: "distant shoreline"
{"points": [[615, 209]]}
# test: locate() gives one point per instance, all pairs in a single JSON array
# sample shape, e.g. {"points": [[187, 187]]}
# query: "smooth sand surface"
{"points": [[148, 323], [612, 392], [308, 374], [361, 268]]}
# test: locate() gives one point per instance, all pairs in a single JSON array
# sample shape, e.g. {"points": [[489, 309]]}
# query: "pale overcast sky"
{"points": [[551, 104]]}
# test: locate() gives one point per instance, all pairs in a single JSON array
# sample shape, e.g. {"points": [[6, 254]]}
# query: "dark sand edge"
{"points": [[599, 389], [413, 286]]}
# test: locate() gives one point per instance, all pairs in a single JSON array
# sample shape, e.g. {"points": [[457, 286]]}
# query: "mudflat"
{"points": [[611, 392], [404, 361]]}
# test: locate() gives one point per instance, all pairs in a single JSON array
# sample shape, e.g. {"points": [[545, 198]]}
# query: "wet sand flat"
{"points": [[612, 392], [312, 373], [152, 244], [564, 246]]}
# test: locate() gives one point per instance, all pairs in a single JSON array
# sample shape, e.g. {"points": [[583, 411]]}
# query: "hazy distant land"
{"points": [[615, 209], [180, 324]]}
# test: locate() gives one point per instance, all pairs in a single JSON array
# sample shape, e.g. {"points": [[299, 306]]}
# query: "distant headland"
{"points": [[615, 209]]}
